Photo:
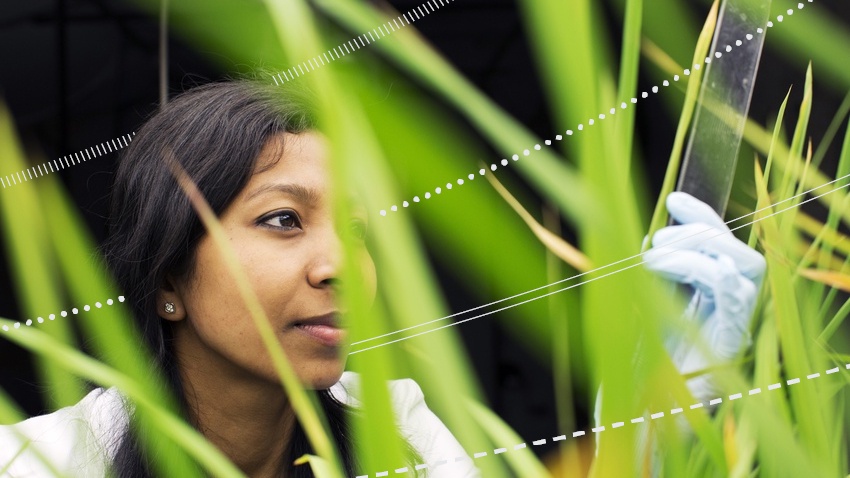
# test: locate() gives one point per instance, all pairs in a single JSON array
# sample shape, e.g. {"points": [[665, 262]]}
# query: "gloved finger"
{"points": [[686, 209], [717, 278], [685, 267], [714, 242]]}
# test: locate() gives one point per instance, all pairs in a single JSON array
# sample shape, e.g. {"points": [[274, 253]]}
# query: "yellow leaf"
{"points": [[830, 278], [556, 244], [729, 442]]}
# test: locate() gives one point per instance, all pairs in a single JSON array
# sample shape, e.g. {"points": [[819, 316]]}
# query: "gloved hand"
{"points": [[726, 275]]}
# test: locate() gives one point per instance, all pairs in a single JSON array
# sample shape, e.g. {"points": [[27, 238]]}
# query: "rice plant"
{"points": [[504, 233]]}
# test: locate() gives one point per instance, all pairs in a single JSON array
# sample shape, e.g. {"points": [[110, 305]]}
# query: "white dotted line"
{"points": [[600, 429], [67, 161], [64, 313], [602, 116], [358, 42]]}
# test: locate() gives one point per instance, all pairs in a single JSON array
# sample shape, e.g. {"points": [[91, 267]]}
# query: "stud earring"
{"points": [[169, 307]]}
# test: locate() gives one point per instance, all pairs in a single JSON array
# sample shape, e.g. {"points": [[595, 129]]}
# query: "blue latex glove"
{"points": [[726, 275]]}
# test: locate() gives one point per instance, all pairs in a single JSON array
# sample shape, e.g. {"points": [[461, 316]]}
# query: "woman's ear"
{"points": [[169, 304]]}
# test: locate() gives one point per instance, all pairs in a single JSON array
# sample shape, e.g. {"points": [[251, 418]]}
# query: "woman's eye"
{"points": [[359, 229], [286, 220]]}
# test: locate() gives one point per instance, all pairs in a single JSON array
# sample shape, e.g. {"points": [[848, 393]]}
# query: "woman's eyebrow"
{"points": [[303, 194]]}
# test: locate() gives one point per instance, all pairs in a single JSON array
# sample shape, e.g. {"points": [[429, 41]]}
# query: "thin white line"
{"points": [[814, 375], [617, 425], [832, 370], [774, 386], [755, 391], [539, 442], [793, 381], [637, 420], [735, 396], [559, 438], [585, 273], [499, 451], [577, 434], [656, 415], [480, 454], [696, 405]]}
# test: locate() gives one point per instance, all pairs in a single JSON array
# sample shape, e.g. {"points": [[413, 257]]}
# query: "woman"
{"points": [[255, 155]]}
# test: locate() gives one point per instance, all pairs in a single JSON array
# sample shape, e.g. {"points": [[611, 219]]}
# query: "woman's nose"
{"points": [[325, 269]]}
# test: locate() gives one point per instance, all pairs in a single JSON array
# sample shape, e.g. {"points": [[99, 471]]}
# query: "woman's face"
{"points": [[283, 231]]}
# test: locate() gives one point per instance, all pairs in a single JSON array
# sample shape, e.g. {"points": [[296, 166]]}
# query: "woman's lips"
{"points": [[323, 329]]}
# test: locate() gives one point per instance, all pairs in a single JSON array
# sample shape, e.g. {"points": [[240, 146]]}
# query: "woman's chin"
{"points": [[323, 375], [325, 382]]}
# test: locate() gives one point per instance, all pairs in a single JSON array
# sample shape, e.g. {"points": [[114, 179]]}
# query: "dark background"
{"points": [[76, 73]]}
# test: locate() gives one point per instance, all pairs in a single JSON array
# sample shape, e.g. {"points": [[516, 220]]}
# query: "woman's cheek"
{"points": [[369, 274]]}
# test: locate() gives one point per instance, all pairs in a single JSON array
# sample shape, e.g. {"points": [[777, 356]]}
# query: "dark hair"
{"points": [[215, 132]]}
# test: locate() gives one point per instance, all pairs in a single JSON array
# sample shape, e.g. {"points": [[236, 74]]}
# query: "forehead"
{"points": [[297, 165], [288, 156]]}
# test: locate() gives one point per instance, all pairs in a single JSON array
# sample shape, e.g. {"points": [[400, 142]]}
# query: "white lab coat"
{"points": [[81, 439]]}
